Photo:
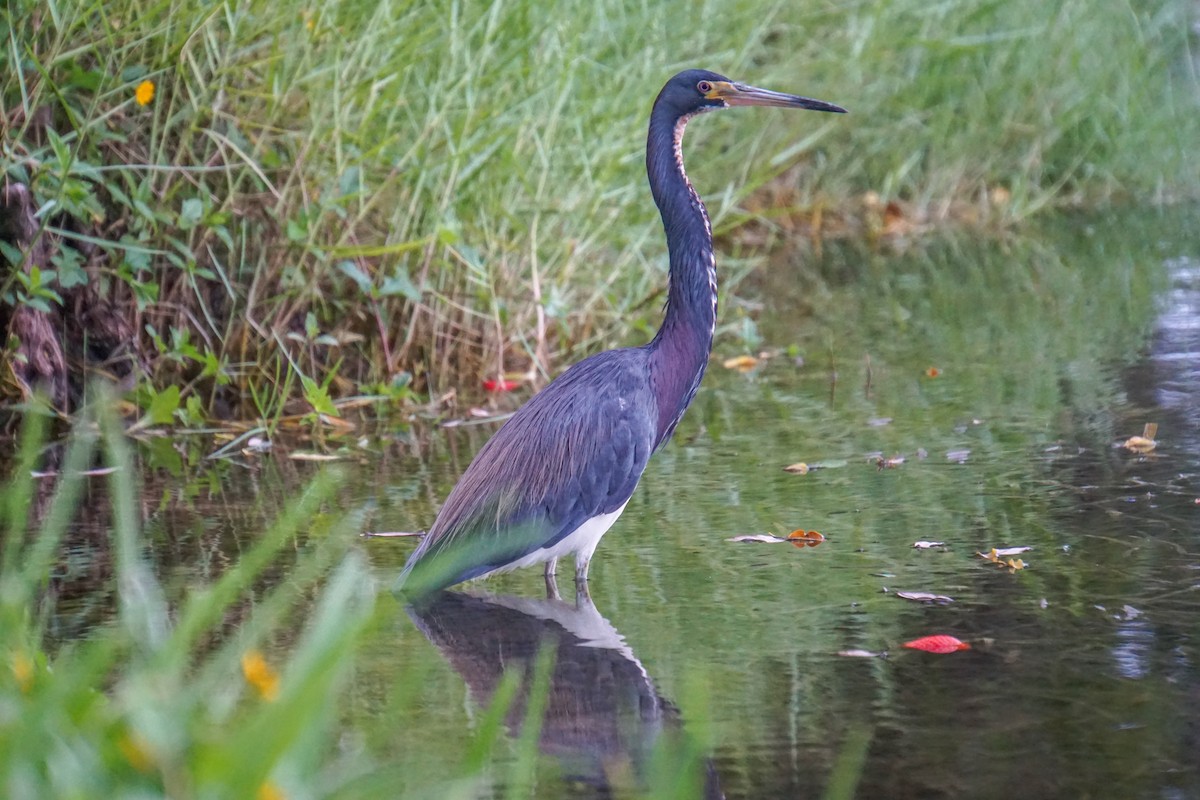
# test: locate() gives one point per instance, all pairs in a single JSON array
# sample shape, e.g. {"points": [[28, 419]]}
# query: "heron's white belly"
{"points": [[582, 542]]}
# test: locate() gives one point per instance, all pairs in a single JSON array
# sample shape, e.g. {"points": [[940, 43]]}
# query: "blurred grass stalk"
{"points": [[359, 194]]}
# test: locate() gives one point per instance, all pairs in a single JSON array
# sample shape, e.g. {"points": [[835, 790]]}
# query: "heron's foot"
{"points": [[552, 587], [581, 581]]}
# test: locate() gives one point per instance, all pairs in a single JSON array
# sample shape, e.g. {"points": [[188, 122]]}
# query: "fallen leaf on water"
{"points": [[998, 552], [800, 538], [923, 545], [879, 422], [741, 363], [757, 537], [926, 597], [958, 456], [1144, 443], [889, 463], [939, 643], [799, 468], [933, 372], [997, 555], [389, 534], [803, 538], [861, 654], [1140, 444]]}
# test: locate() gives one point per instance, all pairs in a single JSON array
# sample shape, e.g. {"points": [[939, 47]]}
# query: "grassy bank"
{"points": [[320, 201]]}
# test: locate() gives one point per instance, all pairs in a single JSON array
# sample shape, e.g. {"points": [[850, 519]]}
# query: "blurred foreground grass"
{"points": [[327, 200], [158, 704]]}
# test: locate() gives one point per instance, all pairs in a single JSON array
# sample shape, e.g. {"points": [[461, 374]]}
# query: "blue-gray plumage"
{"points": [[559, 472]]}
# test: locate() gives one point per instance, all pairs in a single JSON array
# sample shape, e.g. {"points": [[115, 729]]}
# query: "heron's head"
{"points": [[695, 90]]}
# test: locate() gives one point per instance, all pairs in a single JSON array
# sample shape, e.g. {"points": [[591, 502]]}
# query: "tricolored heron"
{"points": [[555, 476]]}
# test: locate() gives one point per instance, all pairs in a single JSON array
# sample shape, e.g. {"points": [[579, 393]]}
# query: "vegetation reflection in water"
{"points": [[1083, 666]]}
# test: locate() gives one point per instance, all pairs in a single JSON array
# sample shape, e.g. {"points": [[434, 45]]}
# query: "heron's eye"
{"points": [[704, 87]]}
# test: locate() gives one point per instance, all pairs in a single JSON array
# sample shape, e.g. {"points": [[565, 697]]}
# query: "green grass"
{"points": [[330, 199]]}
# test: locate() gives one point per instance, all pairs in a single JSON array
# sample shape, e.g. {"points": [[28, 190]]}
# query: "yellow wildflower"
{"points": [[22, 670], [144, 93], [269, 791], [260, 675]]}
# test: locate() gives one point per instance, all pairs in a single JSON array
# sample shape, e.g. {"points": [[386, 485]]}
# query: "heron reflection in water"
{"points": [[557, 475], [603, 715]]}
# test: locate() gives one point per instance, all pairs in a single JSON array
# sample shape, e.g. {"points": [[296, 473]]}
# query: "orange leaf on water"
{"points": [[939, 643], [803, 538]]}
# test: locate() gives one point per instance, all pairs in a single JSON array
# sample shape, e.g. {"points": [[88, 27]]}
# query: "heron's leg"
{"points": [[552, 587], [551, 567]]}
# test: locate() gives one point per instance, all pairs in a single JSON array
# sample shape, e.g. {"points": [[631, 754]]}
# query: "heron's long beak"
{"points": [[739, 94]]}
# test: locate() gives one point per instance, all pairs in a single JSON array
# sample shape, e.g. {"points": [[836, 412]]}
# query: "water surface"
{"points": [[1005, 375]]}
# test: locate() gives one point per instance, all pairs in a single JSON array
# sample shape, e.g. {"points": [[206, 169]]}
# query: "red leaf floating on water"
{"points": [[938, 644]]}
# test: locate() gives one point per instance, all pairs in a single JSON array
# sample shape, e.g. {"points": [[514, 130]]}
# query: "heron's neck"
{"points": [[680, 350]]}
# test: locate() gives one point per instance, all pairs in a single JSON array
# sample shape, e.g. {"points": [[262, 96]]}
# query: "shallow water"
{"points": [[1083, 677], [973, 394]]}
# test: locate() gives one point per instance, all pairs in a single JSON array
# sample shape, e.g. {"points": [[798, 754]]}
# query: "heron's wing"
{"points": [[574, 451]]}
